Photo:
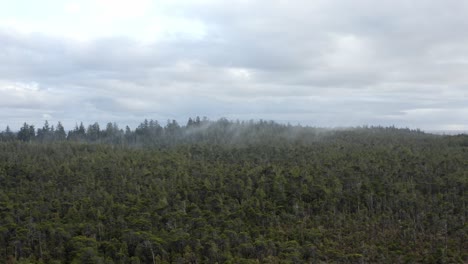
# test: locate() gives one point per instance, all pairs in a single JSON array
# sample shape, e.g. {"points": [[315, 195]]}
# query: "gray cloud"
{"points": [[327, 63]]}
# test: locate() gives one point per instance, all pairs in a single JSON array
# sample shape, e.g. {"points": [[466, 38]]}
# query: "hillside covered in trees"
{"points": [[231, 192]]}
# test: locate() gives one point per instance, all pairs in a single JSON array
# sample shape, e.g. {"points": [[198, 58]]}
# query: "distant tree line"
{"points": [[150, 133]]}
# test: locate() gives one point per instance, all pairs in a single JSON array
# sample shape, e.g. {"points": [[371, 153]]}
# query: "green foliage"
{"points": [[226, 192]]}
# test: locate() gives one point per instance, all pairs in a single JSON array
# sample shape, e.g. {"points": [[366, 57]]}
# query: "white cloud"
{"points": [[122, 9], [88, 20], [350, 53], [12, 93], [135, 104], [240, 74], [72, 7], [317, 62]]}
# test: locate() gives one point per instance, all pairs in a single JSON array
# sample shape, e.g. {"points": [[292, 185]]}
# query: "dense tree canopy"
{"points": [[231, 192]]}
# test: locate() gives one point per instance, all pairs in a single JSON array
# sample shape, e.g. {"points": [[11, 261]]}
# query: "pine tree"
{"points": [[60, 132]]}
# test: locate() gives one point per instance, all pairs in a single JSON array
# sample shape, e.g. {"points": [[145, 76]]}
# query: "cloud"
{"points": [[122, 9], [327, 63]]}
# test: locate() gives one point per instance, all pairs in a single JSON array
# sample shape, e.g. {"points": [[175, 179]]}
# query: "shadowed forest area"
{"points": [[232, 192]]}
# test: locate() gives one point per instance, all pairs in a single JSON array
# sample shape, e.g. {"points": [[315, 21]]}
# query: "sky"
{"points": [[327, 63]]}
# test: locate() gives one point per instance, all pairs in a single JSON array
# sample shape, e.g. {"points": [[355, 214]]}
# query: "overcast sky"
{"points": [[322, 63]]}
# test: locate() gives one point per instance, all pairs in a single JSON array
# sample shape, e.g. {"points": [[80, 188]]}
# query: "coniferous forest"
{"points": [[231, 192]]}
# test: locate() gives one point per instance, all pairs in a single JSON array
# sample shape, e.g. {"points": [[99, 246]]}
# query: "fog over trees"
{"points": [[152, 133], [231, 192]]}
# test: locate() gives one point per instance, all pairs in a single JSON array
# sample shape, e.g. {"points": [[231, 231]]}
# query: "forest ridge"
{"points": [[232, 192], [196, 130]]}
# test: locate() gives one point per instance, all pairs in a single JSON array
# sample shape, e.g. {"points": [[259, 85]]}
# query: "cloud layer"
{"points": [[323, 63]]}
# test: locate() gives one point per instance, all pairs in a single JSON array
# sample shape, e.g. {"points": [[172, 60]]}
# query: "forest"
{"points": [[231, 192]]}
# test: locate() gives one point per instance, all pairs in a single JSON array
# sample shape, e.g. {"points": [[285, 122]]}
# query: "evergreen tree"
{"points": [[60, 132], [26, 133]]}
